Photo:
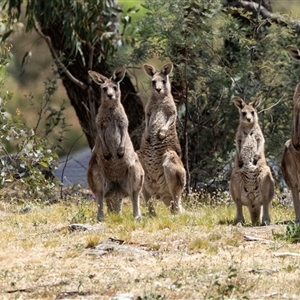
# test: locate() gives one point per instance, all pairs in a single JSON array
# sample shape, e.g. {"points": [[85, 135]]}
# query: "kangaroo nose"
{"points": [[109, 96], [158, 90]]}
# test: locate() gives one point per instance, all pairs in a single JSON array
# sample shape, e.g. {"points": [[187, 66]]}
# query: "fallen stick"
{"points": [[280, 254], [255, 239]]}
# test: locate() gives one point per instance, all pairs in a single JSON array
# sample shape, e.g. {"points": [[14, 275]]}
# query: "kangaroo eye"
{"points": [[244, 113], [252, 113], [115, 88], [164, 82], [153, 82], [105, 89]]}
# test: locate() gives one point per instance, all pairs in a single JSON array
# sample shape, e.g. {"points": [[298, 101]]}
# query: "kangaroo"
{"points": [[251, 182], [114, 170], [160, 151], [290, 163]]}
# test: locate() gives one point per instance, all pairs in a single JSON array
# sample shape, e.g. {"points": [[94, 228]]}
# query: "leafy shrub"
{"points": [[27, 160], [291, 234]]}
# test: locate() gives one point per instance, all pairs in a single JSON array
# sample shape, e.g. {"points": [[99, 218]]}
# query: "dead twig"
{"points": [[249, 238], [30, 289], [283, 254]]}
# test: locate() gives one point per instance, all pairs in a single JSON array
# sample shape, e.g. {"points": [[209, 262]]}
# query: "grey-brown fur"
{"points": [[290, 164], [114, 170], [160, 151], [251, 182]]}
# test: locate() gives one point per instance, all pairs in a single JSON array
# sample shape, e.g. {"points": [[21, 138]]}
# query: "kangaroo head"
{"points": [[110, 87], [160, 80], [248, 113]]}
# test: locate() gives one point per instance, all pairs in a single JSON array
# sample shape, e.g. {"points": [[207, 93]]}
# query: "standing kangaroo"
{"points": [[290, 163], [251, 182], [160, 150], [114, 170]]}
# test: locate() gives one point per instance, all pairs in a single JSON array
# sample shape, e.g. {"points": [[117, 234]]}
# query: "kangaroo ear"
{"points": [[149, 70], [238, 102], [167, 69], [256, 102], [294, 52], [119, 74], [97, 77]]}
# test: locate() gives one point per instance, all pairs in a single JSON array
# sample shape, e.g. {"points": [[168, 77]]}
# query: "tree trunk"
{"points": [[86, 100]]}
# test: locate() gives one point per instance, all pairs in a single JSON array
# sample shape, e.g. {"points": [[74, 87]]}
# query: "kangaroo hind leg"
{"points": [[135, 184], [267, 191], [296, 201], [255, 212], [96, 183], [235, 191], [175, 176]]}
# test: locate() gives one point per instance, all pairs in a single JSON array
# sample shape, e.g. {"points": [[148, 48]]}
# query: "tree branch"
{"points": [[91, 55], [261, 10], [58, 62], [252, 6], [263, 110]]}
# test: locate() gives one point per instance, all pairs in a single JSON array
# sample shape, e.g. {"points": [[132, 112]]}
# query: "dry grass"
{"points": [[196, 255]]}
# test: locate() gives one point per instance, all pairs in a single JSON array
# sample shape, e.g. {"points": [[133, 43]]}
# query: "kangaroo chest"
{"points": [[111, 124], [248, 147], [157, 119]]}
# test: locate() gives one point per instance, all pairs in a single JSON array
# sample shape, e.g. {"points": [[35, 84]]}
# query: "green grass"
{"points": [[291, 234]]}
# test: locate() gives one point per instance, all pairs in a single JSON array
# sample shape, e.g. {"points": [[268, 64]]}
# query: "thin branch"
{"points": [[263, 110], [262, 11], [30, 289], [186, 138], [65, 165], [85, 106], [254, 7], [57, 60], [258, 11]]}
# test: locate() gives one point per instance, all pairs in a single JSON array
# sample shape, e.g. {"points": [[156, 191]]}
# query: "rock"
{"points": [[85, 227], [122, 297]]}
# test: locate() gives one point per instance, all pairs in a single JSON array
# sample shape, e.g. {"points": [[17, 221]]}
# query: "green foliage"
{"points": [[80, 35], [217, 53], [83, 213], [231, 285], [30, 165], [95, 23], [49, 116], [291, 234], [217, 56], [26, 157]]}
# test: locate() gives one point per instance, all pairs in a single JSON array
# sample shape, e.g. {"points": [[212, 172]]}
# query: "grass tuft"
{"points": [[291, 234]]}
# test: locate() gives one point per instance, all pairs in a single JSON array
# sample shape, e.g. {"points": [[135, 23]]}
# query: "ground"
{"points": [[197, 255]]}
